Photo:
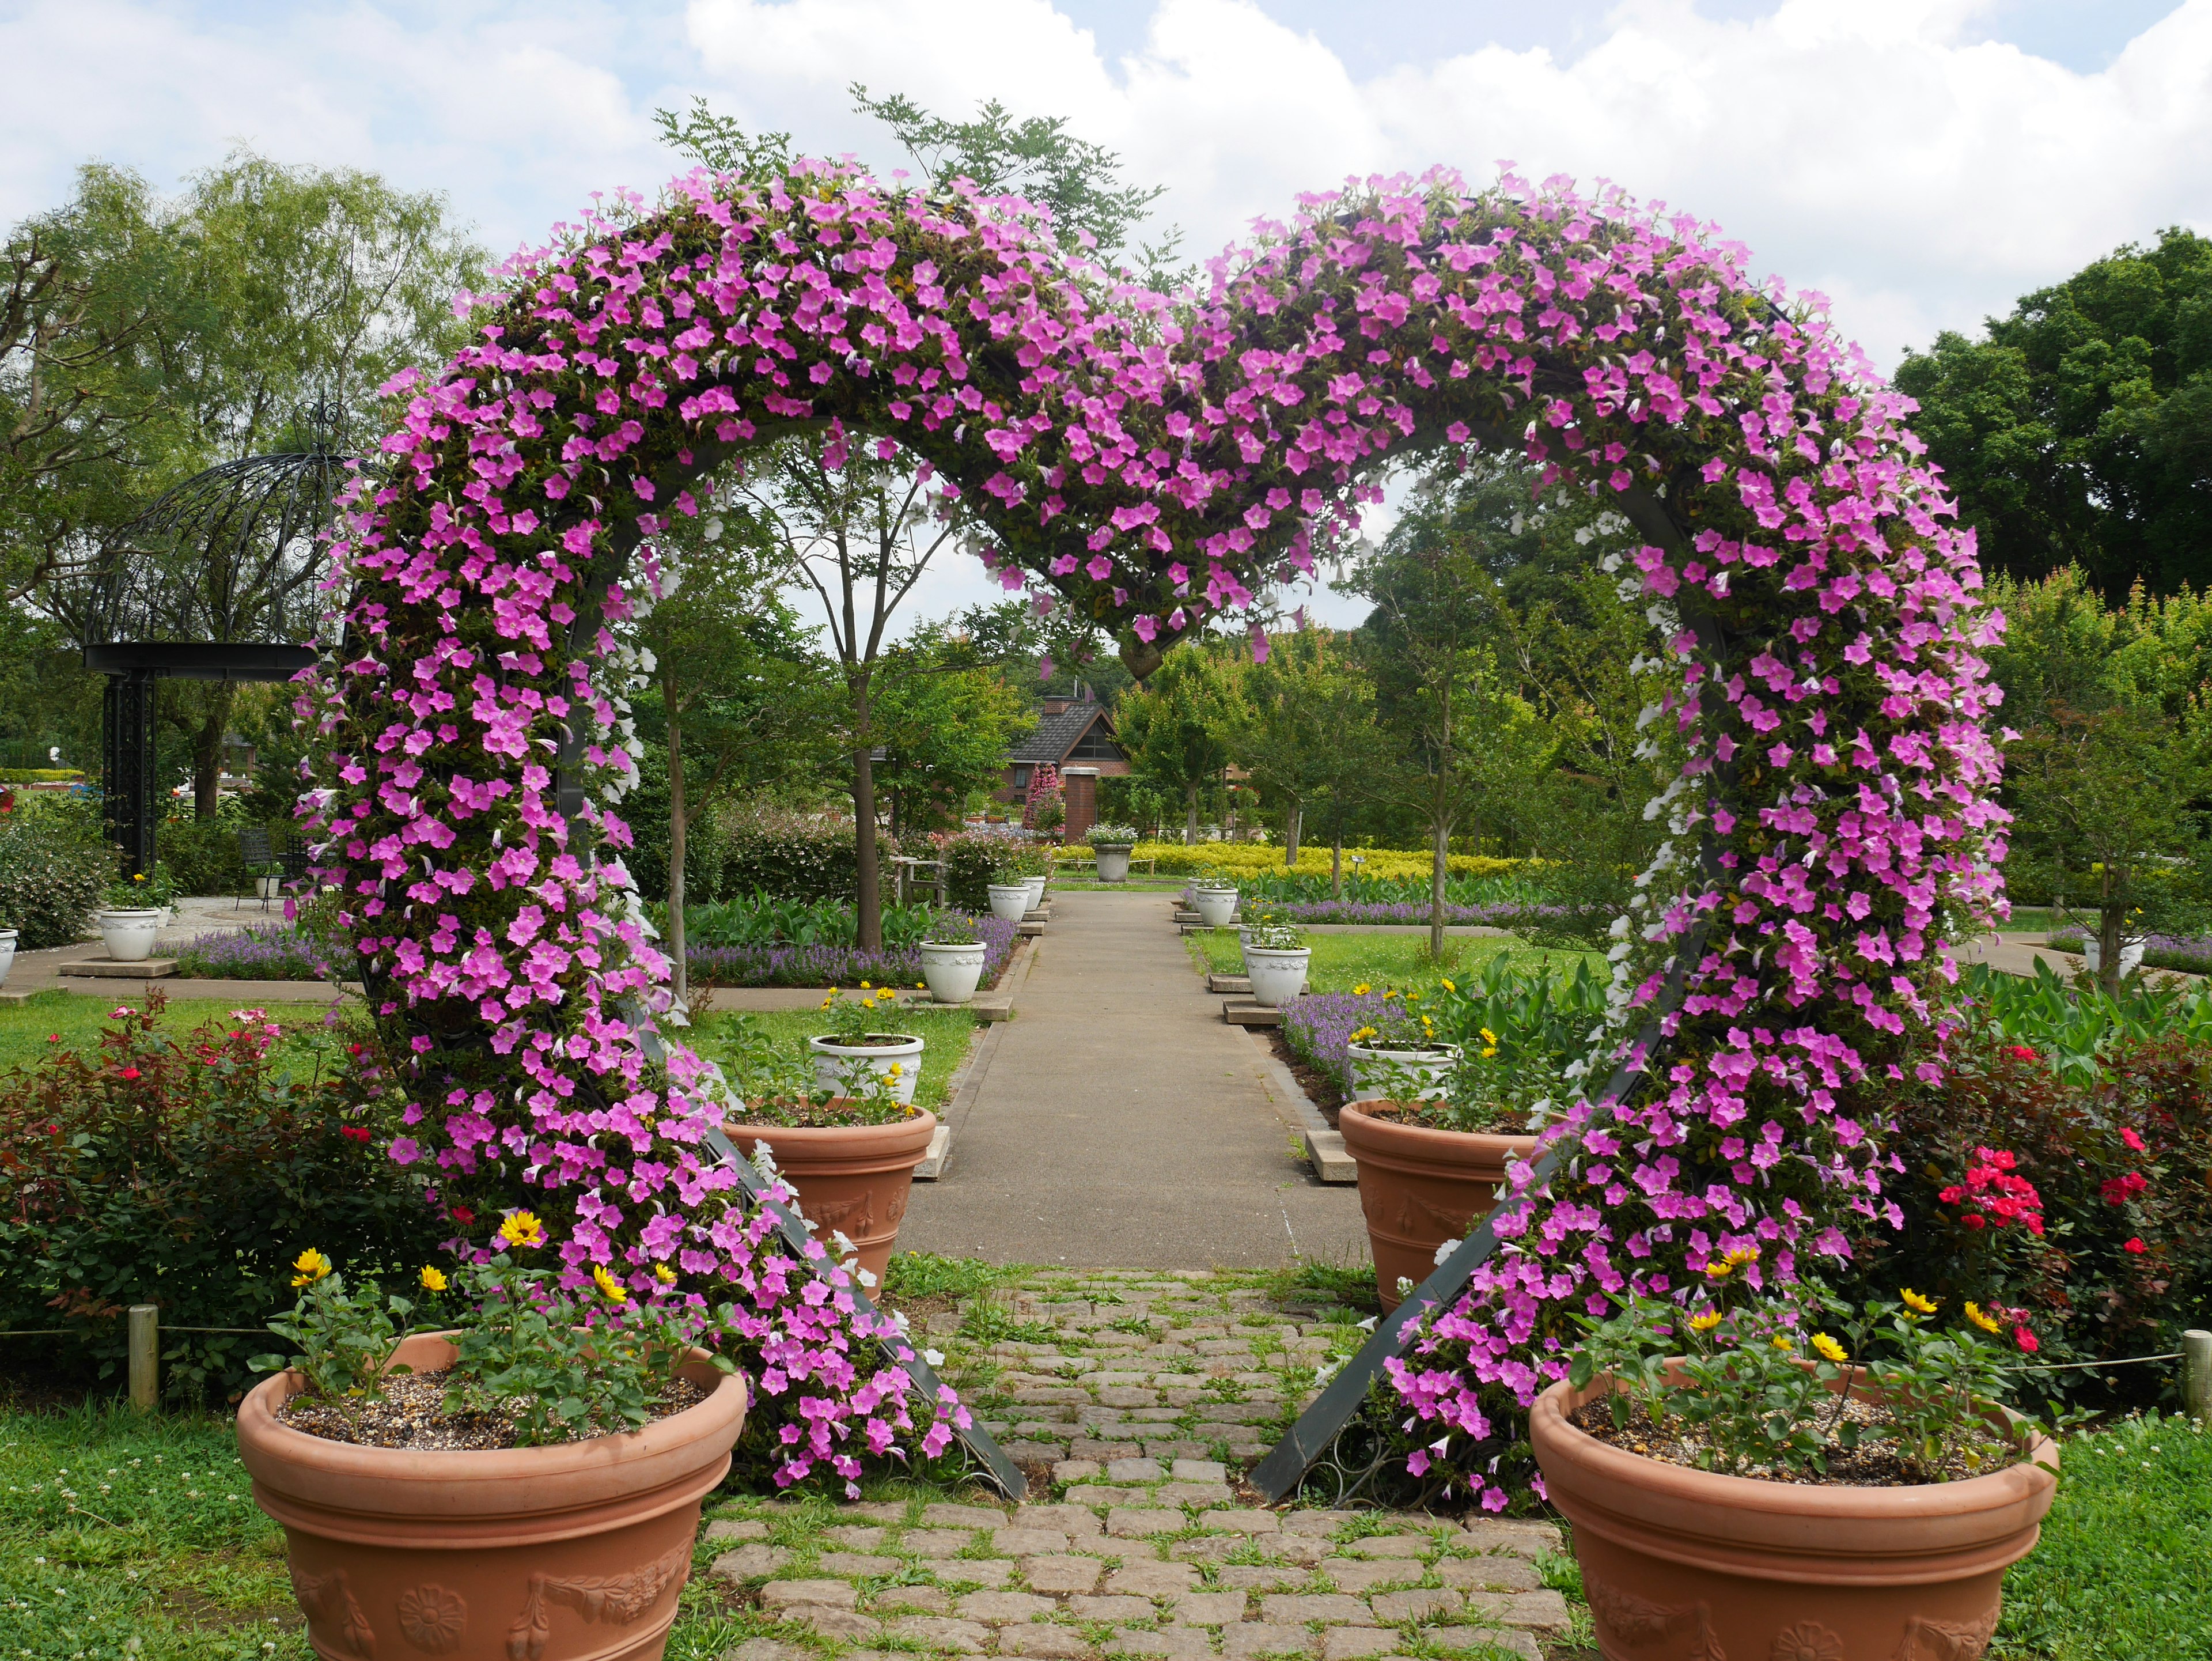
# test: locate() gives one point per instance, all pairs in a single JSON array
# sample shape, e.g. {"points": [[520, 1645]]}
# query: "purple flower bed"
{"points": [[261, 951], [1318, 1028], [839, 966], [2190, 954]]}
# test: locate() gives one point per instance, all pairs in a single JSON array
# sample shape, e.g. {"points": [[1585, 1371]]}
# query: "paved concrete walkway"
{"points": [[1118, 1121]]}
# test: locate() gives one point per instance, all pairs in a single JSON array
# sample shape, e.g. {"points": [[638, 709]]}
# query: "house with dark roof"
{"points": [[1074, 733]]}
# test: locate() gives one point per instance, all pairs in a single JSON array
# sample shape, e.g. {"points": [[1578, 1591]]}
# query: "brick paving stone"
{"points": [[1496, 1534], [1091, 1448], [1100, 1494], [876, 1511], [1496, 1573], [1389, 1545], [1178, 1643], [1151, 1578], [1027, 1541], [920, 1600], [1254, 1638], [1396, 1607], [1062, 1574], [826, 1594], [963, 1517], [1241, 1522], [1111, 1609], [1075, 1470], [750, 1562], [1180, 1448], [1316, 1522], [1061, 1519], [1346, 1643], [1040, 1394], [996, 1608], [1134, 1470], [1544, 1610], [1296, 1609], [836, 1623], [962, 1637], [1465, 1638], [934, 1542], [1257, 1577], [1192, 1493], [850, 1538], [856, 1565], [1032, 1453], [1127, 1395], [1200, 1471], [1355, 1574], [763, 1648], [733, 1528], [993, 1572], [1129, 1523], [1044, 1642], [1210, 1608]]}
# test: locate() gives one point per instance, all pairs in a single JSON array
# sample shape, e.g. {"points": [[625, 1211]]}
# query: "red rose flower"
{"points": [[2135, 1246], [2026, 1340], [2132, 1140], [463, 1215], [354, 1133], [2020, 1052], [1973, 1219], [128, 1073]]}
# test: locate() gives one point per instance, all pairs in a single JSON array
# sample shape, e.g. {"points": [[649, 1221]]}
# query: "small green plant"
{"points": [[139, 891], [951, 928], [776, 1085], [855, 1020], [1275, 937], [344, 1341], [1111, 835]]}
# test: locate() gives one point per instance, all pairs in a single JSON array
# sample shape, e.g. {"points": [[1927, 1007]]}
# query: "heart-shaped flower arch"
{"points": [[1155, 463]]}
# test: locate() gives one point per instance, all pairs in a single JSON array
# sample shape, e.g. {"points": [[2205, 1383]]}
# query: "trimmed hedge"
{"points": [[53, 867], [790, 855], [41, 774], [974, 860]]}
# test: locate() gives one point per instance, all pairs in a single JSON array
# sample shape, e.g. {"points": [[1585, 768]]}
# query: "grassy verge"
{"points": [[29, 1030], [945, 1036], [1341, 962]]}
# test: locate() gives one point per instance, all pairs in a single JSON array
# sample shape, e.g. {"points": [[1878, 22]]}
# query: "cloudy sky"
{"points": [[1922, 162]]}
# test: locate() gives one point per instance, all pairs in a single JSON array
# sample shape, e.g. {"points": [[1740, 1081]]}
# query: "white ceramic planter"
{"points": [[7, 953], [268, 888], [836, 1065], [1010, 901], [2132, 954], [952, 970], [1432, 1064], [1216, 906], [1277, 976], [1113, 862], [129, 934], [1035, 886]]}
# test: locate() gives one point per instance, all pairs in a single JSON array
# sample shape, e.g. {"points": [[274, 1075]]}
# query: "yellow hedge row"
{"points": [[1244, 859]]}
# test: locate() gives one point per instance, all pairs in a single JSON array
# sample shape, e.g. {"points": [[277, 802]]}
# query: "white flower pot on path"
{"points": [[1215, 905], [1277, 976], [7, 953], [837, 1067], [1113, 862], [952, 970], [1010, 901], [268, 888], [2132, 954], [1035, 886], [1431, 1063], [129, 934]]}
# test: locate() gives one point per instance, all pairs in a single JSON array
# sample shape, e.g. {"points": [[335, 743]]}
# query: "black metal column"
{"points": [[127, 784]]}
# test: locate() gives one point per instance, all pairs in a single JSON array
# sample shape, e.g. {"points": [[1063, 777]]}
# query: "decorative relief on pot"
{"points": [[618, 1599], [1635, 1620], [1949, 1640], [852, 1217], [329, 1599], [431, 1618], [1808, 1640]]}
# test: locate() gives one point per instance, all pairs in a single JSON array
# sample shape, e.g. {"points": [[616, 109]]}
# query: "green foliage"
{"points": [[341, 1341], [2074, 1028], [186, 1173], [974, 861], [2077, 430], [853, 1020], [762, 920], [39, 775], [54, 869], [944, 729], [926, 1274], [1174, 728], [767, 850]]}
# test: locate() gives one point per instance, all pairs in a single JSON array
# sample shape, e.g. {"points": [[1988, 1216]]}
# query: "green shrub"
{"points": [[793, 856], [203, 855], [53, 867], [188, 1173], [41, 774], [974, 860]]}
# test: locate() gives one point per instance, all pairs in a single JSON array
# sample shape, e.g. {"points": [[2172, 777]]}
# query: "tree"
{"points": [[2079, 429], [944, 727], [1462, 743], [1304, 733], [1174, 727]]}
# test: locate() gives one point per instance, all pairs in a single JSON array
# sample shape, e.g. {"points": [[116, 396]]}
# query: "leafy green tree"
{"points": [[944, 727], [1174, 728], [2079, 429], [1304, 730]]}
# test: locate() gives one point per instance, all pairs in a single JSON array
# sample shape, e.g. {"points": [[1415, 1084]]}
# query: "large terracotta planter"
{"points": [[1421, 1187], [572, 1553], [1679, 1563], [853, 1179]]}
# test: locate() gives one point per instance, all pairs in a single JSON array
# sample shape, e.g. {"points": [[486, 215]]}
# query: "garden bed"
{"points": [[1341, 962]]}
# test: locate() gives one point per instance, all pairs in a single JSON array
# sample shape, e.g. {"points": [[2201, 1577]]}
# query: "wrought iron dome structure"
{"points": [[219, 579]]}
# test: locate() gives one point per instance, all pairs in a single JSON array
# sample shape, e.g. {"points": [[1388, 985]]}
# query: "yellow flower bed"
{"points": [[1245, 859]]}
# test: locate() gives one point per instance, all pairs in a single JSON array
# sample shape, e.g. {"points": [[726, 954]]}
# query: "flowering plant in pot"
{"points": [[856, 1044], [1432, 1159], [1112, 844], [1781, 1473], [1215, 898], [952, 955], [847, 1150], [1398, 1054], [1276, 957], [130, 917], [522, 1486]]}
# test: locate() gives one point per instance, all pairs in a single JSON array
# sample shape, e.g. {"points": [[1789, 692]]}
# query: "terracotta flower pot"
{"points": [[851, 1178], [1421, 1187], [569, 1553], [1677, 1562]]}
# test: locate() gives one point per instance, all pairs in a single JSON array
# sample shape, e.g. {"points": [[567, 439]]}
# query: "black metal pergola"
{"points": [[219, 579]]}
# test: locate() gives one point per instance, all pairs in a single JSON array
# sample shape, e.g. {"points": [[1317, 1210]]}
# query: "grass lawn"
{"points": [[1341, 962], [26, 1029], [945, 1035]]}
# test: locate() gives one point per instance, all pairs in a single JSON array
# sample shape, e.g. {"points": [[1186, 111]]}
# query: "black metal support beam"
{"points": [[127, 784]]}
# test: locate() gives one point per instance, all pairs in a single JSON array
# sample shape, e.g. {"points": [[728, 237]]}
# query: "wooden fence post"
{"points": [[145, 1357], [2197, 1376]]}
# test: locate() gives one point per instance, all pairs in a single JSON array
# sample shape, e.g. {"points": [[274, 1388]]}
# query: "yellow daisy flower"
{"points": [[1829, 1348], [1706, 1322], [434, 1280], [610, 1288], [1781, 1343], [1448, 985], [1914, 1301], [312, 1266], [665, 1275], [522, 1228], [1362, 989], [865, 987], [1987, 1323]]}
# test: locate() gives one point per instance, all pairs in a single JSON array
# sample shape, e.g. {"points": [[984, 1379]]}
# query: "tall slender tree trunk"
{"points": [[867, 885], [2110, 910], [1336, 858], [677, 838], [207, 751], [1295, 826], [1190, 816], [1439, 863]]}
